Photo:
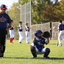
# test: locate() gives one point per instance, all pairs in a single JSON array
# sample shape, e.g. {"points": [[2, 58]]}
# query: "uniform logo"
{"points": [[2, 19], [40, 43], [63, 27]]}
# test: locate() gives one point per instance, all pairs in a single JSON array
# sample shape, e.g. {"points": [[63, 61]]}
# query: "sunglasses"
{"points": [[3, 8]]}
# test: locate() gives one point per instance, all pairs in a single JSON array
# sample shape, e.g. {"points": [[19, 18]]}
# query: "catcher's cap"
{"points": [[37, 32], [3, 7]]}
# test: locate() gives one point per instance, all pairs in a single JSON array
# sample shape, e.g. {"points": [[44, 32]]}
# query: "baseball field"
{"points": [[17, 53]]}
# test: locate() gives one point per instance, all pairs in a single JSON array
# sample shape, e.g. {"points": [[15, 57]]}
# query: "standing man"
{"points": [[20, 29], [11, 31], [60, 32], [4, 20], [27, 33]]}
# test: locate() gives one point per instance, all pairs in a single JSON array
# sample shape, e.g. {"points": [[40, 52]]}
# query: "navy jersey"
{"points": [[27, 28], [39, 43], [20, 28], [61, 27], [4, 19]]}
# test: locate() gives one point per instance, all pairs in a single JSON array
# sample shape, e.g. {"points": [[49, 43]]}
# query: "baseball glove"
{"points": [[8, 26], [46, 34]]}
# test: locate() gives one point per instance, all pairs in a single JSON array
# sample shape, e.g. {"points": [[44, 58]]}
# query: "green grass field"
{"points": [[17, 53]]}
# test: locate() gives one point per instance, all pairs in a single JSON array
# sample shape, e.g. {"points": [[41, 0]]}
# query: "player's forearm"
{"points": [[47, 40], [9, 25], [58, 31]]}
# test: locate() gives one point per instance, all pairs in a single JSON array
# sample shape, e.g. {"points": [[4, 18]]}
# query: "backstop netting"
{"points": [[25, 16]]}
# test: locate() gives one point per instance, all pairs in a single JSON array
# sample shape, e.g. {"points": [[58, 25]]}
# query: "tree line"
{"points": [[42, 11]]}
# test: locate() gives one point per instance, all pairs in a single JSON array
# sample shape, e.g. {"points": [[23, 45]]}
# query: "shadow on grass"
{"points": [[51, 58], [53, 44]]}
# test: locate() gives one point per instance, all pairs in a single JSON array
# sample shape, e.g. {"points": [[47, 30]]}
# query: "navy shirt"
{"points": [[4, 19], [39, 43], [20, 28], [61, 27], [27, 28]]}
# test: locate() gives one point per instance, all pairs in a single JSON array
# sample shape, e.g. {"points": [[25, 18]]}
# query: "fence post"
{"points": [[25, 13], [30, 19]]}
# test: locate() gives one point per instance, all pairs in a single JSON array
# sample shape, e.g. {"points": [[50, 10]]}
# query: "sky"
{"points": [[8, 3], [53, 0]]}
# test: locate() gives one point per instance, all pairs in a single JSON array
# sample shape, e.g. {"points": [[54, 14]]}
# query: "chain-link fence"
{"points": [[44, 27], [55, 30], [25, 17]]}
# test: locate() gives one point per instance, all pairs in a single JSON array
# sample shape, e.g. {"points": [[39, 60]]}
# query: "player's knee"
{"points": [[48, 50], [32, 48]]}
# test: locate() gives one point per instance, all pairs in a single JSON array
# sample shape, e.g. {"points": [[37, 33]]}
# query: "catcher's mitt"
{"points": [[46, 34]]}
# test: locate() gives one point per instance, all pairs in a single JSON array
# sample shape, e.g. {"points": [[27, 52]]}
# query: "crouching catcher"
{"points": [[37, 47]]}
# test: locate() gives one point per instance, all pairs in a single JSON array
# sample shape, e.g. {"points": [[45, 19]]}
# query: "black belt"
{"points": [[61, 30], [20, 30], [11, 29], [26, 30]]}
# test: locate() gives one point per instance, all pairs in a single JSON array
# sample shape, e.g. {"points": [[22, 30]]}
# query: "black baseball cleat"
{"points": [[46, 57], [1, 56], [34, 57], [20, 42]]}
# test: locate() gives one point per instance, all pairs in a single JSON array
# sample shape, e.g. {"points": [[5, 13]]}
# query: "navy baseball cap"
{"points": [[37, 32], [3, 7]]}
